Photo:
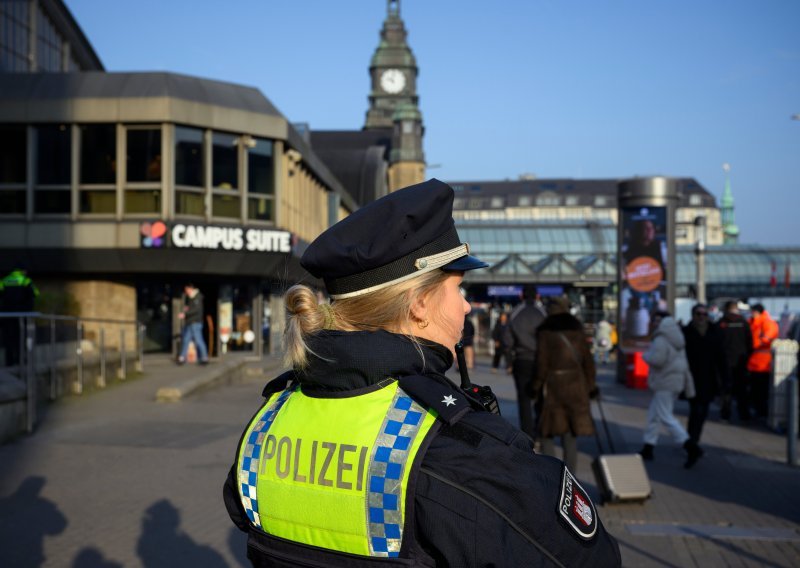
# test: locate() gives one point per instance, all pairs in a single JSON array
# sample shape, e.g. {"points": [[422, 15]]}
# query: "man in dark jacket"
{"points": [[703, 350], [736, 344], [521, 336], [192, 315]]}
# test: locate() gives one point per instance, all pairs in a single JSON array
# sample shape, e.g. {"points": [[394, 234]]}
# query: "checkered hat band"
{"points": [[248, 472], [395, 271], [388, 461]]}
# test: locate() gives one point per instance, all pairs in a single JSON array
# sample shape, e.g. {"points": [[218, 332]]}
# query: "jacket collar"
{"points": [[348, 360]]}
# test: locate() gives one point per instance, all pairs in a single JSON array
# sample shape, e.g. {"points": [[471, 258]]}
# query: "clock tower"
{"points": [[393, 100]]}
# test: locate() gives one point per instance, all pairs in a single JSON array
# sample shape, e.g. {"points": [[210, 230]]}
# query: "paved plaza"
{"points": [[114, 478]]}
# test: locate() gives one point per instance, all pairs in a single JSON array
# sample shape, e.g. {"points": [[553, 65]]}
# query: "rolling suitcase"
{"points": [[620, 477]]}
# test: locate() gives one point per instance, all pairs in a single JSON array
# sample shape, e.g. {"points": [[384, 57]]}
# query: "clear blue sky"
{"points": [[559, 88]]}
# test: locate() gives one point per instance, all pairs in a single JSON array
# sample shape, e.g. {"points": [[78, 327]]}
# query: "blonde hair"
{"points": [[388, 309]]}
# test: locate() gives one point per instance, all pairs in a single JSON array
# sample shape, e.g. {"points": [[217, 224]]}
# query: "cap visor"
{"points": [[464, 263]]}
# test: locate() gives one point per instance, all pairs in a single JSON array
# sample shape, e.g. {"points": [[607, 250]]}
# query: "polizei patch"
{"points": [[576, 508]]}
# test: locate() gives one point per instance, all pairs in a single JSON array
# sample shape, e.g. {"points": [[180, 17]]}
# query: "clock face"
{"points": [[393, 81]]}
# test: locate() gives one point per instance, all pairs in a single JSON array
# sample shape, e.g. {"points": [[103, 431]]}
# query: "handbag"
{"points": [[688, 391]]}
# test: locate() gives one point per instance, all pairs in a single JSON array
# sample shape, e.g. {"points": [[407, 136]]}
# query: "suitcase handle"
{"points": [[605, 427]]}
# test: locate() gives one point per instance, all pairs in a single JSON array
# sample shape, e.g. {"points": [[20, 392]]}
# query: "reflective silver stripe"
{"points": [[388, 461], [248, 473]]}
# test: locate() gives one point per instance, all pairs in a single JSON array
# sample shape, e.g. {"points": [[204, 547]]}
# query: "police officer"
{"points": [[17, 294], [365, 454]]}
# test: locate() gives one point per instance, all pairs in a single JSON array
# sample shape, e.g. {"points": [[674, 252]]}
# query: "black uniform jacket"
{"points": [[479, 496]]}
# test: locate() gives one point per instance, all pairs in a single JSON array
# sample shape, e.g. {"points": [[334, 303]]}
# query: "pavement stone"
{"points": [[114, 478]]}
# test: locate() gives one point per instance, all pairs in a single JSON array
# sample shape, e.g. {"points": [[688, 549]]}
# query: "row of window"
{"points": [[211, 171], [527, 201]]}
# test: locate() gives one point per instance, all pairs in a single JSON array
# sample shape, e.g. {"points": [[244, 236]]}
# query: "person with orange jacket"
{"points": [[764, 331]]}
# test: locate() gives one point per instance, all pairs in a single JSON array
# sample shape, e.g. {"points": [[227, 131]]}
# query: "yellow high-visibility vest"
{"points": [[332, 472]]}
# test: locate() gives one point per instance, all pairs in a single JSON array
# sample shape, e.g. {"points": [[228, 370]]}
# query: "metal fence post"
{"points": [[53, 388], [140, 347], [30, 374], [101, 380], [791, 425], [122, 374], [79, 359]]}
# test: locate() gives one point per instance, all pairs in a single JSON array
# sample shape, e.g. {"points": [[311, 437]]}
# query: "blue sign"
{"points": [[515, 291], [550, 290]]}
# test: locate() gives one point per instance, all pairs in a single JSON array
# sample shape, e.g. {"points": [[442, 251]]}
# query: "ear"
{"points": [[420, 307]]}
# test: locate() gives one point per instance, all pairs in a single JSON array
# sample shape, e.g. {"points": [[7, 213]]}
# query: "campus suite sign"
{"points": [[211, 237]]}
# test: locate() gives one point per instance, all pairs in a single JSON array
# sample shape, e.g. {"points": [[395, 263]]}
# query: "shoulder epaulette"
{"points": [[449, 402]]}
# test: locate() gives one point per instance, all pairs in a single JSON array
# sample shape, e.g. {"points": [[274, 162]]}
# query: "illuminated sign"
{"points": [[155, 235]]}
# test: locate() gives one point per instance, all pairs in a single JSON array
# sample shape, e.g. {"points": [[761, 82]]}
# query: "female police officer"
{"points": [[365, 454]]}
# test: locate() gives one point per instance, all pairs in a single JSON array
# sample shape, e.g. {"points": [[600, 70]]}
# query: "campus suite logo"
{"points": [[153, 235]]}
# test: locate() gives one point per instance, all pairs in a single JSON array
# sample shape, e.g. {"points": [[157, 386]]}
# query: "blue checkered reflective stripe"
{"points": [[248, 473], [388, 459]]}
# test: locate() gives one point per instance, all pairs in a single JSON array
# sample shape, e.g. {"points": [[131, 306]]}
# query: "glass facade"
{"points": [[15, 31], [142, 170], [189, 146]]}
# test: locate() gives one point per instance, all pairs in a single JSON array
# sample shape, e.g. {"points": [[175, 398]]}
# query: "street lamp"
{"points": [[699, 251]]}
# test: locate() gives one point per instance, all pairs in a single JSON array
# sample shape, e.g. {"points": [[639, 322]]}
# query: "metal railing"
{"points": [[41, 344]]}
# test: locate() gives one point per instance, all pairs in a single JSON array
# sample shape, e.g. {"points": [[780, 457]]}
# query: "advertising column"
{"points": [[646, 267]]}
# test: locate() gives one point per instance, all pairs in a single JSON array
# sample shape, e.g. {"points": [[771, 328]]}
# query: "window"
{"points": [[98, 168], [189, 190], [98, 154], [497, 202], [14, 36], [224, 166], [260, 181], [524, 201], [224, 175], [143, 170], [571, 200], [695, 200], [600, 201], [13, 145], [53, 167], [48, 43]]}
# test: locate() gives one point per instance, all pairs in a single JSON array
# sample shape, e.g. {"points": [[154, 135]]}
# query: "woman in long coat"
{"points": [[565, 378]]}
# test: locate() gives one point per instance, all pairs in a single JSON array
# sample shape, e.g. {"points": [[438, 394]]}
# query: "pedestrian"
{"points": [[18, 293], [192, 316], [521, 336], [565, 375], [468, 342], [669, 375], [602, 341], [365, 453], [704, 354], [736, 344], [500, 346], [763, 330]]}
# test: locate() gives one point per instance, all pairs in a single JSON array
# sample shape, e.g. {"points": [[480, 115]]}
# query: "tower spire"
{"points": [[730, 232], [393, 8]]}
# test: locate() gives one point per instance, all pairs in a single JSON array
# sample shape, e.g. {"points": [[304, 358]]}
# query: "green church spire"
{"points": [[730, 232]]}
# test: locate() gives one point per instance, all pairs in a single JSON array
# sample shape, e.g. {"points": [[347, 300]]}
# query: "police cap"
{"points": [[395, 238]]}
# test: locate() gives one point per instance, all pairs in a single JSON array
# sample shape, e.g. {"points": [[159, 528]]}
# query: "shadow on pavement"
{"points": [[163, 545], [92, 558], [237, 544], [26, 518]]}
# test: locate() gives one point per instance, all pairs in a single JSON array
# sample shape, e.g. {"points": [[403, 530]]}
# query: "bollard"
{"points": [[53, 389], [101, 380], [30, 374], [121, 374], [791, 424], [78, 386]]}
